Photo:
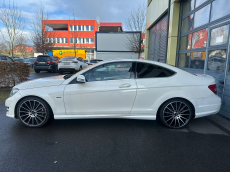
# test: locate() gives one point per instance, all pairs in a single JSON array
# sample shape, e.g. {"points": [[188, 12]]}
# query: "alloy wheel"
{"points": [[176, 114], [32, 112]]}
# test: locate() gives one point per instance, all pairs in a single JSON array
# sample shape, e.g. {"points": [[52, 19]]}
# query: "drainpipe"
{"points": [[167, 30]]}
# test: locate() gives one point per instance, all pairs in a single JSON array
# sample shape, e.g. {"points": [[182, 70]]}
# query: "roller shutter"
{"points": [[158, 40]]}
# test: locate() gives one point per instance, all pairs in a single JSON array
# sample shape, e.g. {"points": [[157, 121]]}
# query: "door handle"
{"points": [[125, 85]]}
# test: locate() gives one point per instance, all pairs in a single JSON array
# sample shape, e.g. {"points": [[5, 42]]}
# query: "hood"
{"points": [[42, 82]]}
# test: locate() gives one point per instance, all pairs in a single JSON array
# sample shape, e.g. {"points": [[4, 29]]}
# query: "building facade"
{"points": [[75, 34], [192, 35]]}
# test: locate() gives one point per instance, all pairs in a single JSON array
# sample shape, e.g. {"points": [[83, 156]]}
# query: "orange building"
{"points": [[64, 34]]}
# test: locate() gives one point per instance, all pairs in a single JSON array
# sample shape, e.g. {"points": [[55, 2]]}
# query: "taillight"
{"points": [[88, 63], [35, 62], [50, 62], [213, 88]]}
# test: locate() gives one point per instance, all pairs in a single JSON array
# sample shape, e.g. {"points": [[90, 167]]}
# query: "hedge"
{"points": [[12, 73]]}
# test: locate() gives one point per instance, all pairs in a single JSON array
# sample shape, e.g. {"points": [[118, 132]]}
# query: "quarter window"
{"points": [[111, 71], [219, 35], [145, 70]]}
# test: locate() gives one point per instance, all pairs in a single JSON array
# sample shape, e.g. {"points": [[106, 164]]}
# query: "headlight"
{"points": [[14, 91]]}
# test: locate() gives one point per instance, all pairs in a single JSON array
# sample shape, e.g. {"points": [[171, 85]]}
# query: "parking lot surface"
{"points": [[114, 145]]}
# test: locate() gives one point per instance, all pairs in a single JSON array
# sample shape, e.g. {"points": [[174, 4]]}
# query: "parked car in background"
{"points": [[5, 58], [19, 60], [45, 63], [93, 61], [30, 61], [132, 89], [55, 58], [71, 64]]}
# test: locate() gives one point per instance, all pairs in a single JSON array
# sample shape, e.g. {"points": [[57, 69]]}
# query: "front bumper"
{"points": [[10, 103]]}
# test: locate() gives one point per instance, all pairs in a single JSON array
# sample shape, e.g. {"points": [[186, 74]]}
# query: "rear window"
{"points": [[145, 70], [43, 59], [68, 58]]}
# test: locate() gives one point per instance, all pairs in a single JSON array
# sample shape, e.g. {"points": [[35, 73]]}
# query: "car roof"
{"points": [[143, 61]]}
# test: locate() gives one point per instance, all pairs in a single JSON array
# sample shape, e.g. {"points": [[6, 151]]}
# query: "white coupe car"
{"points": [[133, 89], [71, 64]]}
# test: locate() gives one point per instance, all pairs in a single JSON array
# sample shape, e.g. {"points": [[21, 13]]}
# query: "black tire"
{"points": [[37, 71], [33, 112], [80, 68], [61, 72], [176, 113]]}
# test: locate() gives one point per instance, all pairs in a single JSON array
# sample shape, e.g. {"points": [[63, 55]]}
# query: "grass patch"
{"points": [[4, 94]]}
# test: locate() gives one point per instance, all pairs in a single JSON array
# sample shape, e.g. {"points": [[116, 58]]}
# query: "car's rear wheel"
{"points": [[37, 71], [33, 112], [176, 113]]}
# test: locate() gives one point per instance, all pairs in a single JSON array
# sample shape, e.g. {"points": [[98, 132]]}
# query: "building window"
{"points": [[47, 40], [216, 60], [79, 28], [87, 28], [91, 28], [75, 28], [219, 9], [71, 40], [91, 40], [82, 40], [191, 40], [199, 38], [82, 28], [219, 35], [202, 16], [87, 40], [70, 27]]}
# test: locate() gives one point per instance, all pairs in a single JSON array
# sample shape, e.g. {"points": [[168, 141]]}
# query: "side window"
{"points": [[111, 71], [145, 70], [80, 59], [3, 58], [9, 59]]}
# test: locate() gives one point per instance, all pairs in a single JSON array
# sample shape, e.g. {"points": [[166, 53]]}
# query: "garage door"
{"points": [[158, 40]]}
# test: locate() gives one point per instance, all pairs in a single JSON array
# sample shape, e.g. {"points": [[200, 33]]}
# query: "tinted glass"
{"points": [[79, 28], [145, 70], [199, 2], [92, 40], [216, 60], [87, 28], [43, 58], [112, 71], [220, 8], [187, 24], [80, 59], [91, 28], [219, 35], [3, 58], [199, 38], [185, 43], [188, 6], [202, 16]]}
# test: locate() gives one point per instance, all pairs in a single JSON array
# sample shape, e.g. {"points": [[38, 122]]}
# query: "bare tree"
{"points": [[14, 24], [21, 46], [136, 21], [4, 48], [75, 35], [42, 34]]}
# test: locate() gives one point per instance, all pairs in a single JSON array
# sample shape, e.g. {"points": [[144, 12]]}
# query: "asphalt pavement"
{"points": [[114, 145]]}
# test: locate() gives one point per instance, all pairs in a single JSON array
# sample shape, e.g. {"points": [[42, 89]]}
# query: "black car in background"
{"points": [[45, 63], [30, 61], [5, 58]]}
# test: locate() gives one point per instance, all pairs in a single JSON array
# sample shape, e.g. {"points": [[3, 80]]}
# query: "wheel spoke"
{"points": [[181, 120], [184, 114], [30, 104], [169, 109], [40, 116], [169, 119], [25, 108], [184, 111], [172, 107], [37, 106], [24, 115]]}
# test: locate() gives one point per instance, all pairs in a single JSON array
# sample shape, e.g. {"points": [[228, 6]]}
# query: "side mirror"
{"points": [[81, 78]]}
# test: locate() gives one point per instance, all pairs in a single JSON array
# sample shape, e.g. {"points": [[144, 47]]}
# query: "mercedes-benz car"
{"points": [[132, 89]]}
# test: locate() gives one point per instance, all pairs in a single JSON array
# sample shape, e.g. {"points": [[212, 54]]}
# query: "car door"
{"points": [[110, 89], [152, 82]]}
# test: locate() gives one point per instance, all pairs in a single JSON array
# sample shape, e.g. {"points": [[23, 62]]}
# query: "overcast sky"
{"points": [[106, 10]]}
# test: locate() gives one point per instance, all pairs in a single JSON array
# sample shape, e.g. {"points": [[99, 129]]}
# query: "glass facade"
{"points": [[195, 38]]}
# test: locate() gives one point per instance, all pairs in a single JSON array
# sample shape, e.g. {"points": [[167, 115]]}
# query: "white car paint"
{"points": [[72, 64], [127, 98]]}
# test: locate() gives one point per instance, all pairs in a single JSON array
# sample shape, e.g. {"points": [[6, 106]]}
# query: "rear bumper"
{"points": [[206, 106], [44, 67]]}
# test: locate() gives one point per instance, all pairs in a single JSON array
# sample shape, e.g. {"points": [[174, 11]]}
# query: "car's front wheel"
{"points": [[33, 112], [37, 71], [176, 113]]}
